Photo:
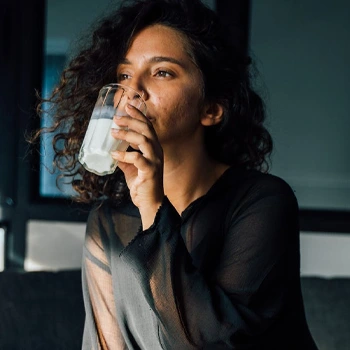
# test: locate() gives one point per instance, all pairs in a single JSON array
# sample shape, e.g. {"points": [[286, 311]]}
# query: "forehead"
{"points": [[161, 39]]}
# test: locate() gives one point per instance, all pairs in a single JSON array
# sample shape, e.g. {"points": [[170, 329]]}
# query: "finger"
{"points": [[137, 141], [135, 158], [135, 113], [142, 127], [129, 123], [124, 167], [131, 136], [132, 111]]}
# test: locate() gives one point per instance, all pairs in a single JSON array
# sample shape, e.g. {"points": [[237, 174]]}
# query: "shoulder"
{"points": [[107, 211], [268, 184], [255, 182], [116, 225], [251, 188], [272, 197], [108, 207], [262, 204]]}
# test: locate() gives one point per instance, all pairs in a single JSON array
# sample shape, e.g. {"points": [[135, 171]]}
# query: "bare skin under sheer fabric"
{"points": [[222, 275]]}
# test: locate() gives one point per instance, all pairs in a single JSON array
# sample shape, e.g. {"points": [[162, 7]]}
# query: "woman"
{"points": [[192, 245]]}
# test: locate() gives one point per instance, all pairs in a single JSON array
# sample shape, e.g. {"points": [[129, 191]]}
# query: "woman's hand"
{"points": [[143, 170]]}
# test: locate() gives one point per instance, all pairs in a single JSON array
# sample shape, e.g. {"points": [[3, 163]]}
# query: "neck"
{"points": [[188, 176]]}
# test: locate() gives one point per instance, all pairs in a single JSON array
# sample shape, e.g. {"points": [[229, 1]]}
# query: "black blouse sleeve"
{"points": [[246, 293]]}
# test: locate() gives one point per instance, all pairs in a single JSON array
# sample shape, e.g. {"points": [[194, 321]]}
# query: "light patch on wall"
{"points": [[54, 245], [325, 255], [2, 249]]}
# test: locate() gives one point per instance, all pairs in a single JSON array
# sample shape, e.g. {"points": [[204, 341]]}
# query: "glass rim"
{"points": [[125, 87]]}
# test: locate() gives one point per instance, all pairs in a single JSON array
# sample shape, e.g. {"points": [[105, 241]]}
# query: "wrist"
{"points": [[149, 213]]}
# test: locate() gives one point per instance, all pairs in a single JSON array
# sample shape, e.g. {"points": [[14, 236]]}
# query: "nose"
{"points": [[138, 85], [134, 95]]}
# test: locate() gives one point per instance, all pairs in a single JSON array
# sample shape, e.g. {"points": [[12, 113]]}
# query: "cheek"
{"points": [[191, 102], [178, 107], [162, 105], [184, 112], [178, 104]]}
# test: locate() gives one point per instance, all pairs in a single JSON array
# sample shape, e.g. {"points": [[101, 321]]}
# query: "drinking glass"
{"points": [[98, 143]]}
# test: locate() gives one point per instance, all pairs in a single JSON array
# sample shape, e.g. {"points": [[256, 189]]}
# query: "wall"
{"points": [[67, 20], [302, 50]]}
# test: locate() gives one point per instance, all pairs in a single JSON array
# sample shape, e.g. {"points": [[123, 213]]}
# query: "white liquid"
{"points": [[97, 145]]}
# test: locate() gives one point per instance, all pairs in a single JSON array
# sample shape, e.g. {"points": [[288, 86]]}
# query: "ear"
{"points": [[212, 114]]}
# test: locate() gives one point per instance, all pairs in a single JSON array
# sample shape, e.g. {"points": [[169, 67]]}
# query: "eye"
{"points": [[123, 76], [163, 74]]}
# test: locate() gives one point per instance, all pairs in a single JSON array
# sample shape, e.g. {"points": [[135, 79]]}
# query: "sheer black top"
{"points": [[225, 274]]}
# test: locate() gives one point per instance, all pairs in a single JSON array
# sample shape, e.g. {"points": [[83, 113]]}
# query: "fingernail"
{"points": [[115, 153]]}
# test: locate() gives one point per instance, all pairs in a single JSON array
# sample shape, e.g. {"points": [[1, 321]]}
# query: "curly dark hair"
{"points": [[240, 139]]}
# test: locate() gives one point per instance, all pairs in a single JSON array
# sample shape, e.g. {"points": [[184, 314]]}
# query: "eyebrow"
{"points": [[157, 59]]}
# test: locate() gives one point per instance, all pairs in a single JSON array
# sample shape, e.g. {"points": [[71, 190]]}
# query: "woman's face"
{"points": [[158, 63]]}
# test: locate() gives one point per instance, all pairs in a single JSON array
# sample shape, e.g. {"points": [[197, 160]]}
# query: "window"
{"points": [[49, 184]]}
